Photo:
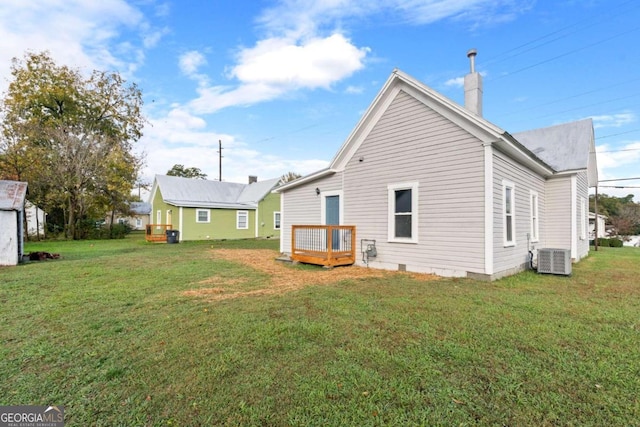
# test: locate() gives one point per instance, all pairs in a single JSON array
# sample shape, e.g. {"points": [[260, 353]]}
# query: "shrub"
{"points": [[615, 243], [603, 242]]}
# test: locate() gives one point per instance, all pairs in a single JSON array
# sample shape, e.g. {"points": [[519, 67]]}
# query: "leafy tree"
{"points": [[70, 136], [180, 170], [623, 214]]}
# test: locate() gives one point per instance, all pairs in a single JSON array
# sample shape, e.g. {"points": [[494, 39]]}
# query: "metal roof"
{"points": [[564, 147], [12, 195], [140, 208], [202, 193]]}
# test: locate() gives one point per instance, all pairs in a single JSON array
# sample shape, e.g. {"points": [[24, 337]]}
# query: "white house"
{"points": [[442, 190], [12, 198]]}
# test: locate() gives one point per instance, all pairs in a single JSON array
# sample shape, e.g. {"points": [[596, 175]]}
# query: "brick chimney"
{"points": [[473, 87], [252, 179]]}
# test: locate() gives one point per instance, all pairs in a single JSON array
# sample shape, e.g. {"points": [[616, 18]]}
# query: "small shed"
{"points": [[12, 199]]}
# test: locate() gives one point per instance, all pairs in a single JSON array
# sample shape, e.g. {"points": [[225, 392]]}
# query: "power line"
{"points": [[618, 134]]}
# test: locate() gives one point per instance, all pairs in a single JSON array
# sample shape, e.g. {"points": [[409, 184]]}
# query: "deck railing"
{"points": [[157, 232], [327, 245]]}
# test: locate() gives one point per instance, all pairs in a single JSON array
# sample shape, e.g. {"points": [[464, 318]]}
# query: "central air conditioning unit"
{"points": [[554, 261]]}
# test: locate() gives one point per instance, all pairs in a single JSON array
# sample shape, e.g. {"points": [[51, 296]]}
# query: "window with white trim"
{"points": [[276, 220], [534, 217], [509, 213], [583, 218], [203, 215], [242, 220], [403, 212]]}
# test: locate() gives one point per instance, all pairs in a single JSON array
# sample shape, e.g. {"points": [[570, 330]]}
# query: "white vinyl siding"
{"points": [[402, 219], [242, 220], [583, 192], [581, 217], [512, 258], [302, 206], [558, 213], [203, 215], [535, 218], [411, 142], [508, 213]]}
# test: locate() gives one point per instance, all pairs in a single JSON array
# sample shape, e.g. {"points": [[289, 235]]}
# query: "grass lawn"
{"points": [[109, 333]]}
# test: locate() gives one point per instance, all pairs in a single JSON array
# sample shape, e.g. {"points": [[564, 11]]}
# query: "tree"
{"points": [[180, 170], [75, 135], [289, 176]]}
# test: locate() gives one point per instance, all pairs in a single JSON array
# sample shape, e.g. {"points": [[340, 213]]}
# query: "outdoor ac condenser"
{"points": [[554, 261]]}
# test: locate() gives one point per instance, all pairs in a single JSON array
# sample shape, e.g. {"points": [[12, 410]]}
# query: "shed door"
{"points": [[332, 217]]}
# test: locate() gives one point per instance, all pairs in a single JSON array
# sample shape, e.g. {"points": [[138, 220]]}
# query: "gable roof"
{"points": [[484, 130], [12, 195], [200, 193], [565, 147]]}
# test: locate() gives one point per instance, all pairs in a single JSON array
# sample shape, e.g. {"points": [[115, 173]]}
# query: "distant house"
{"points": [[439, 189], [202, 209], [137, 218], [602, 232], [12, 200]]}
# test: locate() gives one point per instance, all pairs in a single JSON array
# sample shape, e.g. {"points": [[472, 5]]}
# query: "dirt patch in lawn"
{"points": [[283, 277]]}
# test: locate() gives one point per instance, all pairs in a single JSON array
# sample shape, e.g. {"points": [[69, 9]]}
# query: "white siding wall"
{"points": [[9, 243], [558, 213], [509, 259], [582, 217], [412, 143], [301, 206]]}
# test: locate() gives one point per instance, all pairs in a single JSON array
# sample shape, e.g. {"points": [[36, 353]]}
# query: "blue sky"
{"points": [[283, 83]]}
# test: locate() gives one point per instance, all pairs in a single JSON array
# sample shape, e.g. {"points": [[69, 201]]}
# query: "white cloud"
{"points": [[277, 66], [613, 120], [190, 62], [77, 33], [455, 82]]}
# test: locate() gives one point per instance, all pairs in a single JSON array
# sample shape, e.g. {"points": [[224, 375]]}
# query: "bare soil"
{"points": [[283, 277]]}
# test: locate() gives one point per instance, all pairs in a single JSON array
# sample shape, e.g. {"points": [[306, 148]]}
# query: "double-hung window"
{"points": [[242, 220], [276, 220], [535, 228], [203, 215], [509, 213], [403, 212]]}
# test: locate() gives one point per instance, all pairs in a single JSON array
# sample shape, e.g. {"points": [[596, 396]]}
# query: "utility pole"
{"points": [[220, 159]]}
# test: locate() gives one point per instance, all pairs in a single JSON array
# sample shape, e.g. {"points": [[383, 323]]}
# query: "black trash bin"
{"points": [[173, 236]]}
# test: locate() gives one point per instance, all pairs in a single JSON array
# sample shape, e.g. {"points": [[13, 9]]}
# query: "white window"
{"points": [[403, 212], [138, 223], [276, 220], [242, 220], [203, 215], [158, 219], [583, 218], [509, 213], [534, 217]]}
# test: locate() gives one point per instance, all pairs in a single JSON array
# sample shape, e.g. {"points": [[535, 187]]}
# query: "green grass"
{"points": [[107, 333]]}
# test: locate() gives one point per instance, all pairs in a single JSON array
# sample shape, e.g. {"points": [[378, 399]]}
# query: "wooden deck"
{"points": [[326, 245], [157, 232]]}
